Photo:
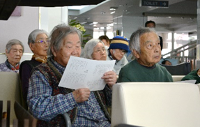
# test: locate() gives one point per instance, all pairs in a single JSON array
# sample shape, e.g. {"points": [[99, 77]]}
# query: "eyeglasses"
{"points": [[100, 50], [43, 41]]}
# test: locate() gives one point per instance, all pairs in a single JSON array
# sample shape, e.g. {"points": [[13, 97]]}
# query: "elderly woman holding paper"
{"points": [[46, 100]]}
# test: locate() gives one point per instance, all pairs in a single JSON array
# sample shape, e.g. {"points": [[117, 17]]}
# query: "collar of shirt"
{"points": [[60, 68], [12, 67]]}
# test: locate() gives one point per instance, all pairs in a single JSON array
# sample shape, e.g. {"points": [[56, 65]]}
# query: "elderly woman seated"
{"points": [[145, 46], [38, 43], [14, 52], [46, 100], [95, 49]]}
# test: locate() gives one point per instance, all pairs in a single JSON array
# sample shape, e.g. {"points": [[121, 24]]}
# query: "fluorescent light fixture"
{"points": [[108, 27], [112, 12], [111, 24], [95, 22], [113, 8], [102, 28]]}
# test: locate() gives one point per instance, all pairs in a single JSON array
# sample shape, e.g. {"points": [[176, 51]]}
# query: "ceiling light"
{"points": [[95, 22], [111, 24], [108, 27], [112, 12], [113, 8], [102, 28]]}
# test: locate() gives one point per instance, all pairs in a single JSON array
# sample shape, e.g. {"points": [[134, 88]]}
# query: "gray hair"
{"points": [[89, 48], [58, 33], [135, 38], [13, 42], [32, 36]]}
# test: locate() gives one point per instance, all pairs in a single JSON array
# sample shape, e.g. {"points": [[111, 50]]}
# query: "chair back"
{"points": [[156, 104], [180, 69], [177, 78], [9, 91]]}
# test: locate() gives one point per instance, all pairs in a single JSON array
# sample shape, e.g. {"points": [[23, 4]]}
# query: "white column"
{"points": [[64, 15], [52, 16]]}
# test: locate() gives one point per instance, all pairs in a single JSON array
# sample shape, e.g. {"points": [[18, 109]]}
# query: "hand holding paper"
{"points": [[85, 73]]}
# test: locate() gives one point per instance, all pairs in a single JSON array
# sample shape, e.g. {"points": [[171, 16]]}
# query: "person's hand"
{"points": [[81, 94], [110, 78]]}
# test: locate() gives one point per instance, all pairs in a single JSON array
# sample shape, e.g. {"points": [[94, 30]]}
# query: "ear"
{"points": [[53, 51], [111, 51], [136, 54], [31, 45]]}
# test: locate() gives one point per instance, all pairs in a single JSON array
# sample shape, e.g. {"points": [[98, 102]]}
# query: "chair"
{"points": [[177, 78], [22, 114], [156, 104], [180, 69], [9, 91]]}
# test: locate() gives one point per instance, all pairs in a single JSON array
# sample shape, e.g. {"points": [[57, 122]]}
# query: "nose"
{"points": [[74, 51], [18, 53], [157, 48]]}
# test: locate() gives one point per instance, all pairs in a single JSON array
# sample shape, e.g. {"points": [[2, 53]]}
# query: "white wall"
{"points": [[19, 27], [131, 24], [52, 16]]}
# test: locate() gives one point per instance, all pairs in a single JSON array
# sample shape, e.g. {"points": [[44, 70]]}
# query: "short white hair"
{"points": [[89, 48]]}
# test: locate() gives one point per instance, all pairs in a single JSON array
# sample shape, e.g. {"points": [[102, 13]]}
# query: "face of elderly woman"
{"points": [[71, 47], [15, 54], [150, 49], [99, 52], [40, 47]]}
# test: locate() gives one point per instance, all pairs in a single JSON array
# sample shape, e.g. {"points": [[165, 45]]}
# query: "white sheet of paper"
{"points": [[85, 73]]}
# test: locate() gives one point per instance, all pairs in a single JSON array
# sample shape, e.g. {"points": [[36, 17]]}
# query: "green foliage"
{"points": [[79, 26]]}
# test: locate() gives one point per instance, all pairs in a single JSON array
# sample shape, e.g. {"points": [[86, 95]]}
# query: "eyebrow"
{"points": [[68, 42]]}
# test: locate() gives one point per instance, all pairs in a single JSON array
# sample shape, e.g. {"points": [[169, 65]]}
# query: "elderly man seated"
{"points": [[14, 52], [46, 100], [117, 50], [145, 46]]}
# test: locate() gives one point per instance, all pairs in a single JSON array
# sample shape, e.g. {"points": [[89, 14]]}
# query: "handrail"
{"points": [[179, 51], [192, 43]]}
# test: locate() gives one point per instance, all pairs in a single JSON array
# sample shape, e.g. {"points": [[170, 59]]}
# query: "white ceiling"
{"points": [[183, 14]]}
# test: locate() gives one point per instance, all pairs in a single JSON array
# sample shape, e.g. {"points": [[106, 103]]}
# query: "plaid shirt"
{"points": [[5, 68], [45, 107]]}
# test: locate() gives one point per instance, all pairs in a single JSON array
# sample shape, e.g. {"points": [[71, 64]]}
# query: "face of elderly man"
{"points": [[40, 47], [15, 54], [99, 52], [150, 50], [71, 47]]}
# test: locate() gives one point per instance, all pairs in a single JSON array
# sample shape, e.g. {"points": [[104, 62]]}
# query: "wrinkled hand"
{"points": [[81, 94], [110, 78]]}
